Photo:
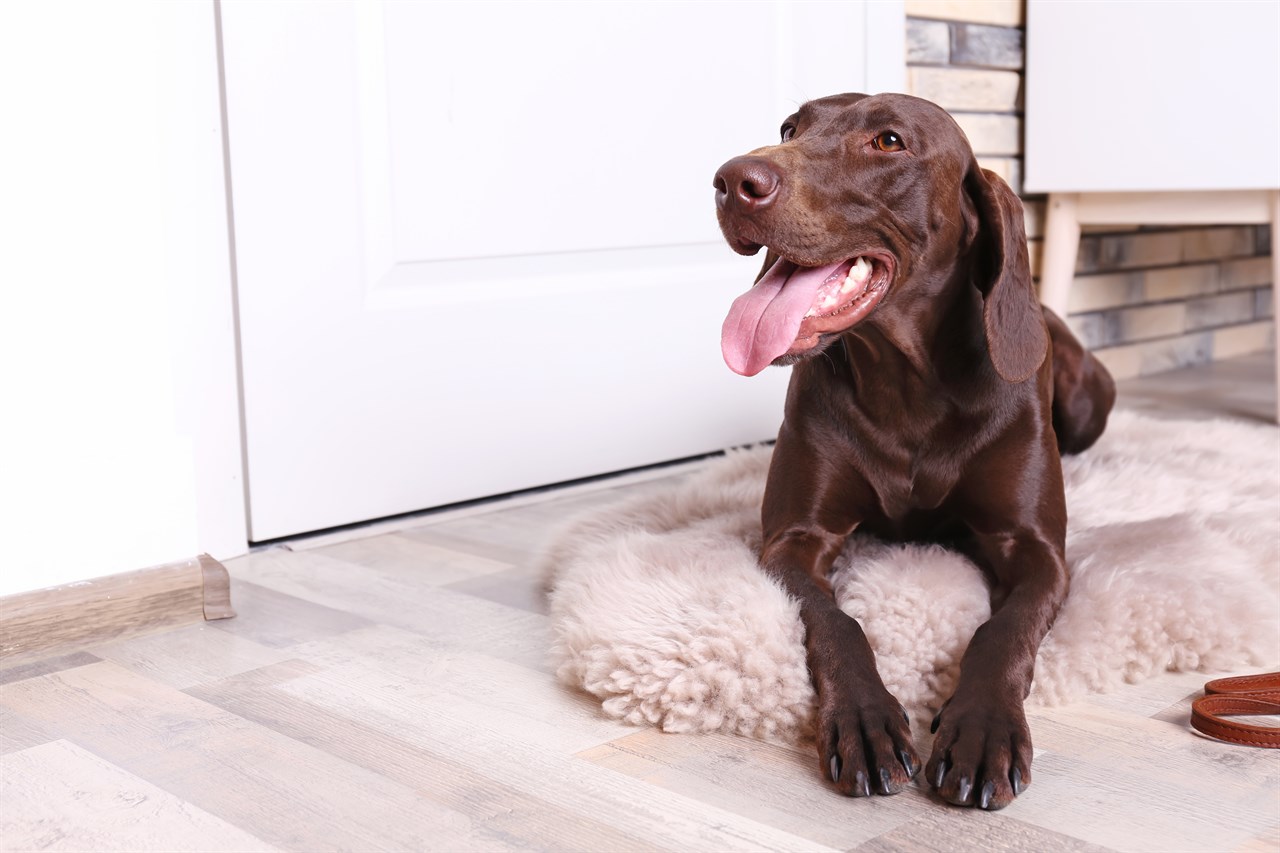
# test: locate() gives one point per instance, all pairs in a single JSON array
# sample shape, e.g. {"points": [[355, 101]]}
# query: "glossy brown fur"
{"points": [[939, 417]]}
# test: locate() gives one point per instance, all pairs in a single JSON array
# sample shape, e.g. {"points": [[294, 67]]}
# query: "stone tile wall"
{"points": [[1144, 299]]}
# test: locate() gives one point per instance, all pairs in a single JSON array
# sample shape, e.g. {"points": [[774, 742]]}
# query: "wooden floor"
{"points": [[391, 692]]}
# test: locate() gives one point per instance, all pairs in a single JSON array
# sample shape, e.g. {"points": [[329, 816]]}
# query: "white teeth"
{"points": [[861, 269], [857, 275]]}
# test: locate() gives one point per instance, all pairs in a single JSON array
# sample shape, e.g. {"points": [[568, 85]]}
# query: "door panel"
{"points": [[476, 244]]}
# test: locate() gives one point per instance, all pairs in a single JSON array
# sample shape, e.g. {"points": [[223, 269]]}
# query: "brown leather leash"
{"points": [[1231, 697]]}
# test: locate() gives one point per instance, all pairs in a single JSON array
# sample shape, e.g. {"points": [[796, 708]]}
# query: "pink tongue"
{"points": [[764, 321]]}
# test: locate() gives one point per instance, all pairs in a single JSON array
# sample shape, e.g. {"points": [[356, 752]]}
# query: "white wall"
{"points": [[119, 426]]}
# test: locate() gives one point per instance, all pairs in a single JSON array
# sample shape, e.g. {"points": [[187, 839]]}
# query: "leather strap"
{"points": [[1230, 697]]}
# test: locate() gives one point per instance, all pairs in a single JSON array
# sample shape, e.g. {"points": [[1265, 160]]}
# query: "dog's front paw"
{"points": [[864, 745], [981, 755]]}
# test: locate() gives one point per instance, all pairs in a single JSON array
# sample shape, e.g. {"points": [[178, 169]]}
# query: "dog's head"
{"points": [[868, 207]]}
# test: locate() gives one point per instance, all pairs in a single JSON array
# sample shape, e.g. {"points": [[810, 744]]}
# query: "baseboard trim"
{"points": [[215, 586], [59, 619]]}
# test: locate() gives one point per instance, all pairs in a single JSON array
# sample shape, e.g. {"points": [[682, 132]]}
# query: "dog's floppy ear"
{"points": [[1017, 338]]}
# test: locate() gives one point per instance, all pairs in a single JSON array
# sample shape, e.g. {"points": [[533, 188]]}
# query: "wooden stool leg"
{"points": [[1061, 243]]}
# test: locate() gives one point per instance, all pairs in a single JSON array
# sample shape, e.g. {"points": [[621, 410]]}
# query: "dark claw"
{"points": [[885, 781], [985, 799], [906, 718], [835, 768], [907, 764], [1015, 776], [941, 771], [861, 784], [933, 727], [966, 788]]}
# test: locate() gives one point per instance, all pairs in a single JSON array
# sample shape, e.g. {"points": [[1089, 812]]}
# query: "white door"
{"points": [[475, 242]]}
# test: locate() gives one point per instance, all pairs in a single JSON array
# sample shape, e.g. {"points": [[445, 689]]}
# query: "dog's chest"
{"points": [[912, 479], [922, 490], [912, 509]]}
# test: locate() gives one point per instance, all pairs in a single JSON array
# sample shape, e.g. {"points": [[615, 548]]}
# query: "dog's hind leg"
{"points": [[1083, 390]]}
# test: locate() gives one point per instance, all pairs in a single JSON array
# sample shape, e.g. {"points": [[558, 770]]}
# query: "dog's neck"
{"points": [[933, 330]]}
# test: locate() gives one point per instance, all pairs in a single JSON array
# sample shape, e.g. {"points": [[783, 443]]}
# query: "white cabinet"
{"points": [[1129, 96]]}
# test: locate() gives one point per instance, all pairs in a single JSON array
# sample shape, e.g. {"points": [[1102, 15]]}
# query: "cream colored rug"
{"points": [[658, 608]]}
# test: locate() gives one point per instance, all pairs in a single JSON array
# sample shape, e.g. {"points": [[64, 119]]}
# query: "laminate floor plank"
{"points": [[941, 830], [441, 535], [418, 558], [518, 534], [517, 587], [45, 666], [19, 732], [1105, 774], [189, 655], [527, 528], [284, 792], [526, 817], [278, 620], [769, 782], [518, 729], [388, 671], [1267, 842], [455, 620], [1133, 809], [1131, 741], [58, 796], [1243, 388]]}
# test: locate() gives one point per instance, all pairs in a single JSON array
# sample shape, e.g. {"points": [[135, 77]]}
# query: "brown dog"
{"points": [[930, 399]]}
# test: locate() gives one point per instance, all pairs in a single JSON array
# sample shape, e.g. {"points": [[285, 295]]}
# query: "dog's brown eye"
{"points": [[788, 131], [889, 141]]}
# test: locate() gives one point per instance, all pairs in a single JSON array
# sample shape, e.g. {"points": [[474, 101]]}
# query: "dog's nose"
{"points": [[747, 184]]}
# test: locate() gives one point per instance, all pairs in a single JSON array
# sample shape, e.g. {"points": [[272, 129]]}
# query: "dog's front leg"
{"points": [[982, 753], [862, 733]]}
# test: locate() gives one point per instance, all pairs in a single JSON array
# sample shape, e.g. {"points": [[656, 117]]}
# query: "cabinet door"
{"points": [[1169, 96], [476, 245]]}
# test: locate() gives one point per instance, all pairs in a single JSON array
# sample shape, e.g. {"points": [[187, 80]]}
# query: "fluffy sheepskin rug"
{"points": [[658, 608]]}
